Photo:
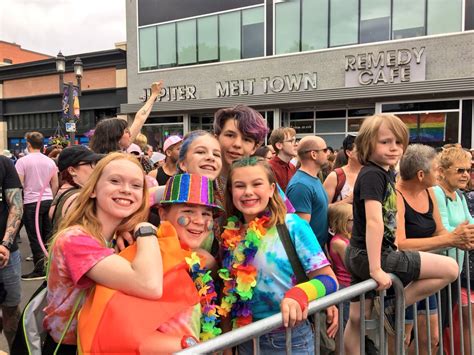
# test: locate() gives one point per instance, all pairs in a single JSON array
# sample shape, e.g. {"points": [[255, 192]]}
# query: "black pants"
{"points": [[49, 347], [45, 228]]}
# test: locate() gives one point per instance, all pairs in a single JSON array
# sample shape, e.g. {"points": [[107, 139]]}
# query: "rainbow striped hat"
{"points": [[190, 188]]}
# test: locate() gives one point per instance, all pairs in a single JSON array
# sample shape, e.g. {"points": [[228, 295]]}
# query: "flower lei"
{"points": [[238, 273], [205, 285]]}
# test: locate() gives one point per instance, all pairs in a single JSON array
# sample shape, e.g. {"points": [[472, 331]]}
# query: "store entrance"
{"points": [[157, 129]]}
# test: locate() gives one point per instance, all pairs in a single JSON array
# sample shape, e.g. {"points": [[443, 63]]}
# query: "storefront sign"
{"points": [[385, 67], [273, 84], [173, 93]]}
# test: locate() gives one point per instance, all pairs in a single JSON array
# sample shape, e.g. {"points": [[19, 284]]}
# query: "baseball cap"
{"points": [[7, 153], [156, 157], [134, 149], [73, 155], [171, 140]]}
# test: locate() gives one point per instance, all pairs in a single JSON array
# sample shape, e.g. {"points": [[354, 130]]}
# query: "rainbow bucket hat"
{"points": [[190, 188]]}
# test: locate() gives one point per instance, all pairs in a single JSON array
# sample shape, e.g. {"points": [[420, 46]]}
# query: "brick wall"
{"points": [[17, 55], [43, 85]]}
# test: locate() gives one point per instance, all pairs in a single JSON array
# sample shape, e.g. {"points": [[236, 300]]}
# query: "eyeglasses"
{"points": [[324, 150], [461, 171], [91, 163], [292, 141]]}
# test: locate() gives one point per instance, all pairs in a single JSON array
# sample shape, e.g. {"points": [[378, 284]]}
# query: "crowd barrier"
{"points": [[424, 340], [264, 326]]}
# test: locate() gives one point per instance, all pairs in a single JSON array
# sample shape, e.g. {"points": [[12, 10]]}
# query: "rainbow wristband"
{"points": [[299, 296], [306, 292]]}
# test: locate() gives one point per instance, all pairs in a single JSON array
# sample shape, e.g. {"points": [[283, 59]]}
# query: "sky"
{"points": [[69, 26]]}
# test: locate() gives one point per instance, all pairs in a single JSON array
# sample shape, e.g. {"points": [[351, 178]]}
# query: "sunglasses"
{"points": [[461, 171]]}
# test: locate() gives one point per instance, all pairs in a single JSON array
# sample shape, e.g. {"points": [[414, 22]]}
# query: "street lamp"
{"points": [[70, 94]]}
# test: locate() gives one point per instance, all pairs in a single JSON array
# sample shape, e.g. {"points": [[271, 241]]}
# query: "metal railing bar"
{"points": [[340, 331], [264, 326], [428, 324], [415, 328], [362, 323], [381, 319], [440, 323], [469, 306], [459, 302], [317, 332], [288, 341]]}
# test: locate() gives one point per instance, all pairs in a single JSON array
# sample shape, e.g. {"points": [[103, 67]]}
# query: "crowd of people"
{"points": [[221, 231]]}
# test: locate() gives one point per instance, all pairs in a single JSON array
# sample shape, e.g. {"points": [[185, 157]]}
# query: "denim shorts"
{"points": [[274, 343], [10, 276], [421, 308]]}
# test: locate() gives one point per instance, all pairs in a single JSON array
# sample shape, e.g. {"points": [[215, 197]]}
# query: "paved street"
{"points": [[28, 287]]}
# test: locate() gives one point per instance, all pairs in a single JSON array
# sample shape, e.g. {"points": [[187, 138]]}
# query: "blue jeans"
{"points": [[302, 341], [10, 276]]}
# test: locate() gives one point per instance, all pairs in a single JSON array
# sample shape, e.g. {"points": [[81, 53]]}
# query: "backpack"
{"points": [[341, 180], [30, 334]]}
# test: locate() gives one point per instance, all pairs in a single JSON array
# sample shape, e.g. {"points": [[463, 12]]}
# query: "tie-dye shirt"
{"points": [[275, 274], [74, 253]]}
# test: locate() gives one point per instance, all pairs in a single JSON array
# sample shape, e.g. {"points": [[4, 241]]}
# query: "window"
{"points": [[408, 18], [374, 20], [444, 16], [147, 39], [314, 24], [186, 42], [344, 18], [167, 45], [229, 36], [435, 123], [252, 33], [207, 39], [287, 27]]}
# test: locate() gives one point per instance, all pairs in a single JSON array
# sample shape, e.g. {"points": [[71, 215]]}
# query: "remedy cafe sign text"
{"points": [[385, 67]]}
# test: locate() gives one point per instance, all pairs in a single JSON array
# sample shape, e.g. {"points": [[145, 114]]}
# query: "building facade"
{"points": [[31, 99], [12, 53], [319, 66]]}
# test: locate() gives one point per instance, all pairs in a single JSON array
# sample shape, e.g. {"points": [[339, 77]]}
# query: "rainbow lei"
{"points": [[238, 273], [205, 285]]}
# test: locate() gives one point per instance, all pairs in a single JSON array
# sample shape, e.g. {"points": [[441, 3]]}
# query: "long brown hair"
{"points": [[276, 205], [84, 212]]}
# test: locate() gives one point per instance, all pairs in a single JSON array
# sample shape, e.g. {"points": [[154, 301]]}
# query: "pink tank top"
{"points": [[343, 276]]}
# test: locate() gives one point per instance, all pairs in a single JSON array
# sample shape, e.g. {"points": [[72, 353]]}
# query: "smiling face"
{"points": [[387, 148], [118, 192], [193, 223], [234, 144], [251, 191], [203, 157]]}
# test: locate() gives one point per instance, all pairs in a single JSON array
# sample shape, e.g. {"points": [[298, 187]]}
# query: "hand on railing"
{"points": [[382, 278], [291, 312]]}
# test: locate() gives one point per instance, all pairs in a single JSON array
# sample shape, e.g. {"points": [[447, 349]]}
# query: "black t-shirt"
{"points": [[161, 176], [374, 183], [8, 180]]}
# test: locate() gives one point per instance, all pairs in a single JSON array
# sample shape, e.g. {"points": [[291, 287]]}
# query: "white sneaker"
{"points": [[29, 258]]}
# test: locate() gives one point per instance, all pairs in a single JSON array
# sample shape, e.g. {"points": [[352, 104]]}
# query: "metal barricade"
{"points": [[264, 326], [460, 341]]}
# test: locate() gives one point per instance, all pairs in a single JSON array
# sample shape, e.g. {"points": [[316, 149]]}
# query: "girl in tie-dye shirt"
{"points": [[258, 277]]}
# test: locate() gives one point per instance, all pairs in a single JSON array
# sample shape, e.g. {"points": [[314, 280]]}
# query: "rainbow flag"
{"points": [[431, 126]]}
